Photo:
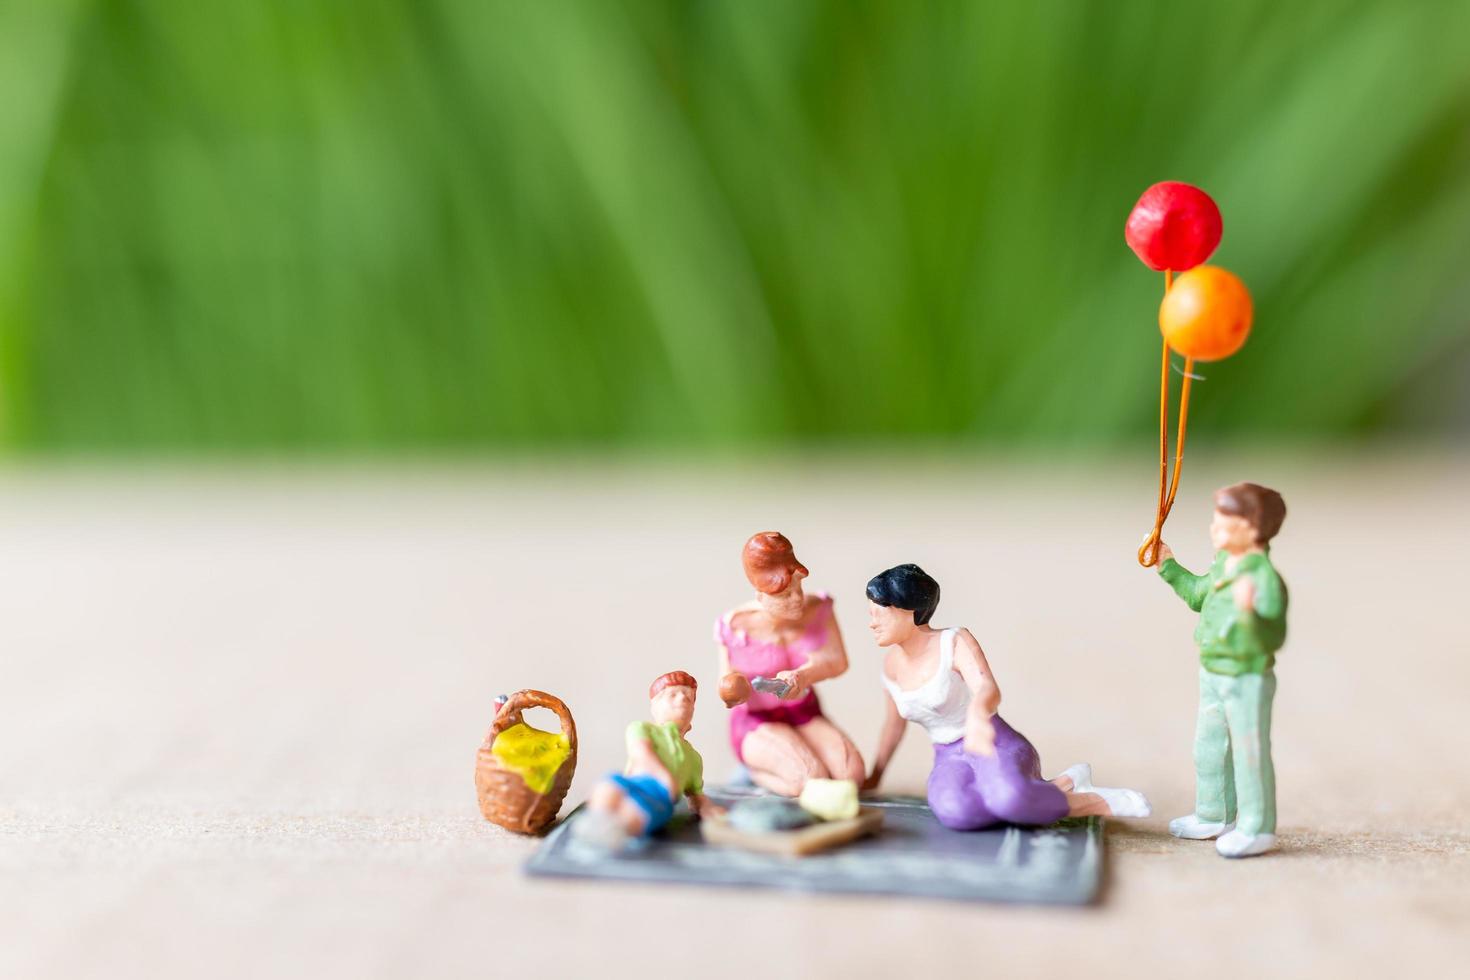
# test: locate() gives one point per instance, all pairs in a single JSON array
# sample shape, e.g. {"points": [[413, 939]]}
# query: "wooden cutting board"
{"points": [[794, 843]]}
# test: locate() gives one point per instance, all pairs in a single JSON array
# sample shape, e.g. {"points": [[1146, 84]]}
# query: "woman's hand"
{"points": [[799, 685], [979, 735], [870, 785], [734, 689]]}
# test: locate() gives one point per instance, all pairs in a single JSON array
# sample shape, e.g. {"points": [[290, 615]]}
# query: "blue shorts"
{"points": [[651, 796]]}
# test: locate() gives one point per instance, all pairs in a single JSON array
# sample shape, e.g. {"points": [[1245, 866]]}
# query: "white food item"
{"points": [[830, 799]]}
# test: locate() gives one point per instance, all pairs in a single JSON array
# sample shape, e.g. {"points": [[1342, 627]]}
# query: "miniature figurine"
{"points": [[662, 766], [1242, 606], [773, 651], [985, 772]]}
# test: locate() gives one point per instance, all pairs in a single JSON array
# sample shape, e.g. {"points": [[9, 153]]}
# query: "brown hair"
{"points": [[1261, 506], [770, 561], [674, 678]]}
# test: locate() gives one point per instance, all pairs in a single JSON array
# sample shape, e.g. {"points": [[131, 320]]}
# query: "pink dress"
{"points": [[761, 658]]}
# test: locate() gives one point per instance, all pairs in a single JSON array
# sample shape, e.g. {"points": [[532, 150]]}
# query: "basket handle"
{"points": [[520, 701]]}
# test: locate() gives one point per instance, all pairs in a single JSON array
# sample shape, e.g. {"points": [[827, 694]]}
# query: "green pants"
{"points": [[1233, 776]]}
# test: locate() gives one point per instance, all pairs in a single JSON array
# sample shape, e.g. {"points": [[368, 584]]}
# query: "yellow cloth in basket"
{"points": [[532, 754]]}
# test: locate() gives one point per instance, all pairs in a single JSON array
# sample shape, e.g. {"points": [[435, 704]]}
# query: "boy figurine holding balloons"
{"points": [[1242, 606], [1206, 316]]}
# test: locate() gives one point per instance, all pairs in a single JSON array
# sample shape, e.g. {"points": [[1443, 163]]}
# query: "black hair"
{"points": [[907, 587]]}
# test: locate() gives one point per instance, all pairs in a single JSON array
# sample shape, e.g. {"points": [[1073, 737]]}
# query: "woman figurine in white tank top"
{"points": [[985, 772]]}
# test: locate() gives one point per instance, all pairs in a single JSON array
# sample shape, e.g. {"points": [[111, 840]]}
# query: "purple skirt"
{"points": [[971, 792]]}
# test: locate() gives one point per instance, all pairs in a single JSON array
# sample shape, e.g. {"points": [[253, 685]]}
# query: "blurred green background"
{"points": [[413, 224]]}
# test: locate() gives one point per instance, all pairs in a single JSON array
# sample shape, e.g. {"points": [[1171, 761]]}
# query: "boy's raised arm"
{"points": [[1188, 586]]}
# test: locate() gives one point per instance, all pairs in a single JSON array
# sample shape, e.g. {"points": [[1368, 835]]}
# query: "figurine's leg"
{"points": [[1214, 783], [606, 796], [1086, 800], [1087, 805], [612, 816], [779, 760], [1020, 800], [647, 805], [836, 751], [954, 794], [633, 818], [1248, 712], [1010, 780], [610, 797]]}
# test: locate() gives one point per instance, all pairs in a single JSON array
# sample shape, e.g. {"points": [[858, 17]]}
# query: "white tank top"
{"points": [[941, 703]]}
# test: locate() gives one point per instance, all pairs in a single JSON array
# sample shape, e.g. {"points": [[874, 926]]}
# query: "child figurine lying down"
{"points": [[662, 766]]}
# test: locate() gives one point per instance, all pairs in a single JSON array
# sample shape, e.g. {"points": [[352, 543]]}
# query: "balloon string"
{"points": [[1148, 552]]}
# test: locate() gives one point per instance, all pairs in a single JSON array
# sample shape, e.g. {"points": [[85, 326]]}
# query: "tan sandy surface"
{"points": [[239, 712]]}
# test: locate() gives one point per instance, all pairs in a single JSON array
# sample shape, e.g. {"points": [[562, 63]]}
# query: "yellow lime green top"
{"points": [[532, 754], [674, 751]]}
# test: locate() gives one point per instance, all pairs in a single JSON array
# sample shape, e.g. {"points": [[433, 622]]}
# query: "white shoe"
{"points": [[1193, 828], [1121, 802], [1238, 844], [1081, 776], [1124, 802]]}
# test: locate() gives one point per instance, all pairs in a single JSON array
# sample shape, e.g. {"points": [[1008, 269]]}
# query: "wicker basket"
{"points": [[505, 799]]}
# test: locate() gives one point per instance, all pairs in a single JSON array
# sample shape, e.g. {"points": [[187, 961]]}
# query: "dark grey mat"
{"points": [[911, 855]]}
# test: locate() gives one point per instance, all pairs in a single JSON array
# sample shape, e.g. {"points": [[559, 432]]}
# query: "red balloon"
{"points": [[1173, 226]]}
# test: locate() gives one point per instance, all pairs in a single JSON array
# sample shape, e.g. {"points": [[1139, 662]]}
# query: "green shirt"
{"points": [[1233, 641], [674, 751]]}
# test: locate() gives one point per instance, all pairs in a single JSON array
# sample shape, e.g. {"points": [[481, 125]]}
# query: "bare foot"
{"points": [[1085, 798], [1087, 805]]}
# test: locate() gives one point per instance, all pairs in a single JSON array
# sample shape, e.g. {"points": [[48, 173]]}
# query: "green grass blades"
{"points": [[421, 224]]}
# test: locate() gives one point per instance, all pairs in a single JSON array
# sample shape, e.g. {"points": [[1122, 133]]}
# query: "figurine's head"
{"points": [[900, 600], [771, 566], [671, 699], [1247, 515]]}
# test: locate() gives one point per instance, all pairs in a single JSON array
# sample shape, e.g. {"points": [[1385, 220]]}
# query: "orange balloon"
{"points": [[1206, 314]]}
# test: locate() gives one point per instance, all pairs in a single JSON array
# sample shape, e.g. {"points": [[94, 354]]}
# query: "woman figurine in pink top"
{"points": [[789, 640]]}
